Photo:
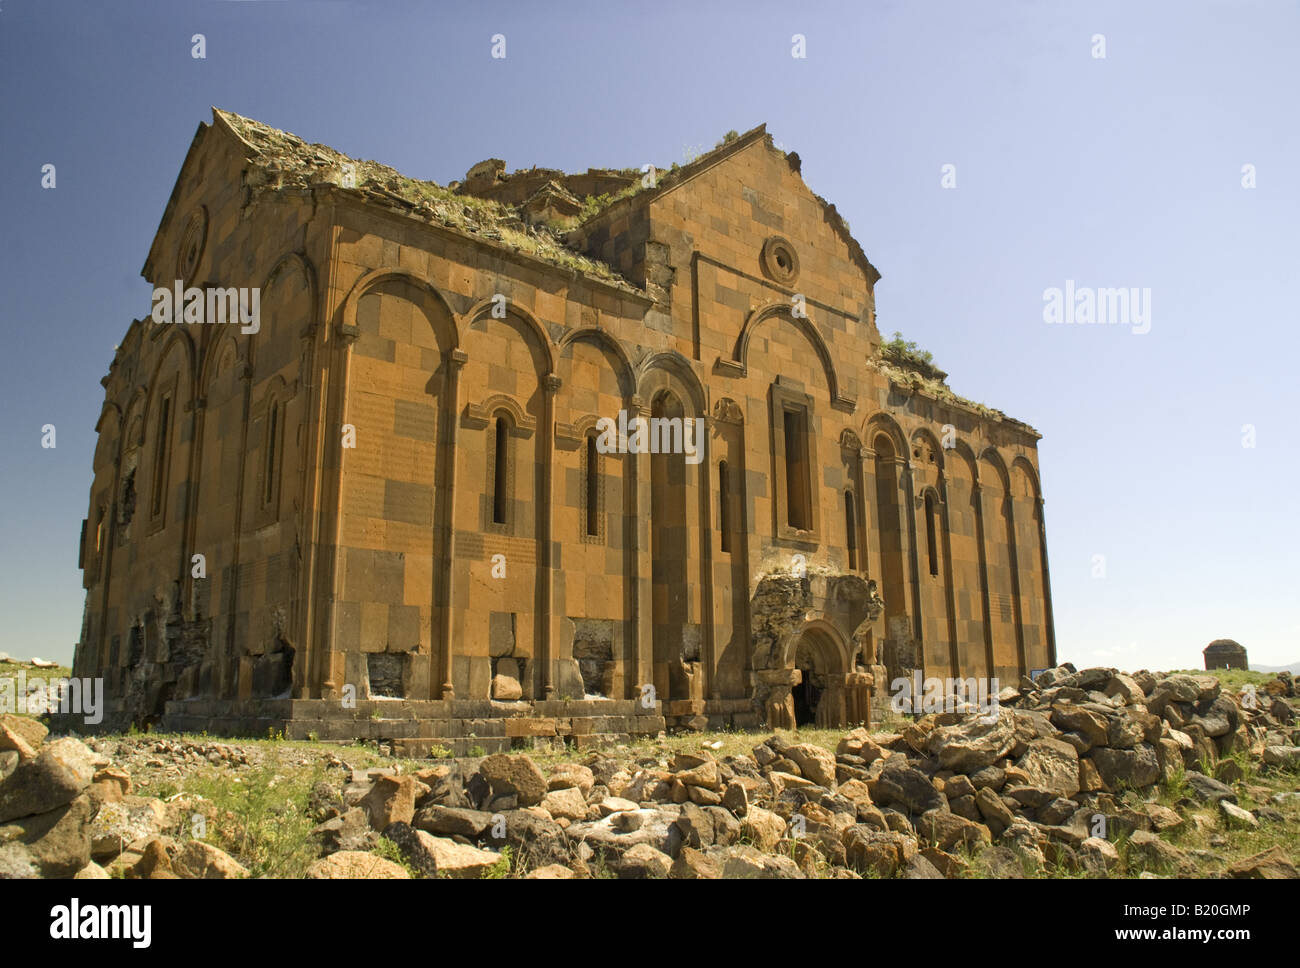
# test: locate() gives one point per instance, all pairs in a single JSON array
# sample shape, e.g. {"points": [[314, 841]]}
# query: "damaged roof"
{"points": [[285, 161], [542, 212]]}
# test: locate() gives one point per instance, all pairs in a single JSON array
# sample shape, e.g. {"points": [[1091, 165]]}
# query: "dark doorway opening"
{"points": [[808, 693]]}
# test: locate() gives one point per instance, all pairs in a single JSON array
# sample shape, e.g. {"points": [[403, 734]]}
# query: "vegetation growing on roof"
{"points": [[937, 389], [286, 161], [909, 356], [594, 204], [904, 362]]}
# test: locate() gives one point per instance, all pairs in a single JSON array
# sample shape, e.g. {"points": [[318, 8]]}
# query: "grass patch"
{"points": [[390, 851], [14, 668], [260, 818], [908, 355], [503, 868], [1230, 678]]}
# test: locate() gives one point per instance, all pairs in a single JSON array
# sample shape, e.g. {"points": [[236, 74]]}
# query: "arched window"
{"points": [[797, 470], [851, 529], [161, 456], [931, 532], [591, 479], [101, 538], [795, 483], [499, 470], [272, 445], [724, 506]]}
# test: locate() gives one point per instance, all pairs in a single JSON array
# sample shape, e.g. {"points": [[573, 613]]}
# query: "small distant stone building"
{"points": [[398, 489], [1225, 654]]}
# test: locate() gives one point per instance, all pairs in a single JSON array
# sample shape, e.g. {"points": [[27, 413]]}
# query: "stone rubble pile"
{"points": [[1027, 785], [65, 811], [1035, 784]]}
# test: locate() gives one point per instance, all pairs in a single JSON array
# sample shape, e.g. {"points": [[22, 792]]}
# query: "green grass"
{"points": [[1232, 679], [503, 868], [14, 668], [260, 817], [390, 851], [908, 354]]}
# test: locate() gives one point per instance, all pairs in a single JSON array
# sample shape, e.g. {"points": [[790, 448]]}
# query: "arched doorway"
{"points": [[819, 695]]}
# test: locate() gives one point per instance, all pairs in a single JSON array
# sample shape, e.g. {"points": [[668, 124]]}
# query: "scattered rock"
{"points": [[643, 861], [567, 775], [515, 775], [744, 862], [566, 803], [452, 821], [125, 821], [59, 840], [1099, 857], [1287, 757], [203, 861], [1147, 852], [59, 774], [1234, 817], [1271, 864], [762, 827], [973, 744], [391, 800], [551, 872], [351, 831], [815, 764], [1132, 768], [17, 863], [902, 785], [1206, 789], [356, 865]]}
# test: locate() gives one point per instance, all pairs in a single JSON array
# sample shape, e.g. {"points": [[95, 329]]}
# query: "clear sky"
{"points": [[1117, 171]]}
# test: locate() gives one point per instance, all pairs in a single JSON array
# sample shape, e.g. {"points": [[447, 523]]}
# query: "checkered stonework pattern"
{"points": [[391, 479]]}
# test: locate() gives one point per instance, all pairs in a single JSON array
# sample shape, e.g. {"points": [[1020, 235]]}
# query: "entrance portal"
{"points": [[819, 694], [808, 692]]}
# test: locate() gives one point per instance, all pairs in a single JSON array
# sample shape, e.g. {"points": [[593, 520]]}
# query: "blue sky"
{"points": [[1117, 171]]}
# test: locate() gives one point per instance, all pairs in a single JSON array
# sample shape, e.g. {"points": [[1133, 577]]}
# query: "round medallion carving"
{"points": [[780, 261], [191, 247]]}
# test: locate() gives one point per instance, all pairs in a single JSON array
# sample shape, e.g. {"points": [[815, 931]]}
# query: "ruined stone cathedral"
{"points": [[358, 479]]}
